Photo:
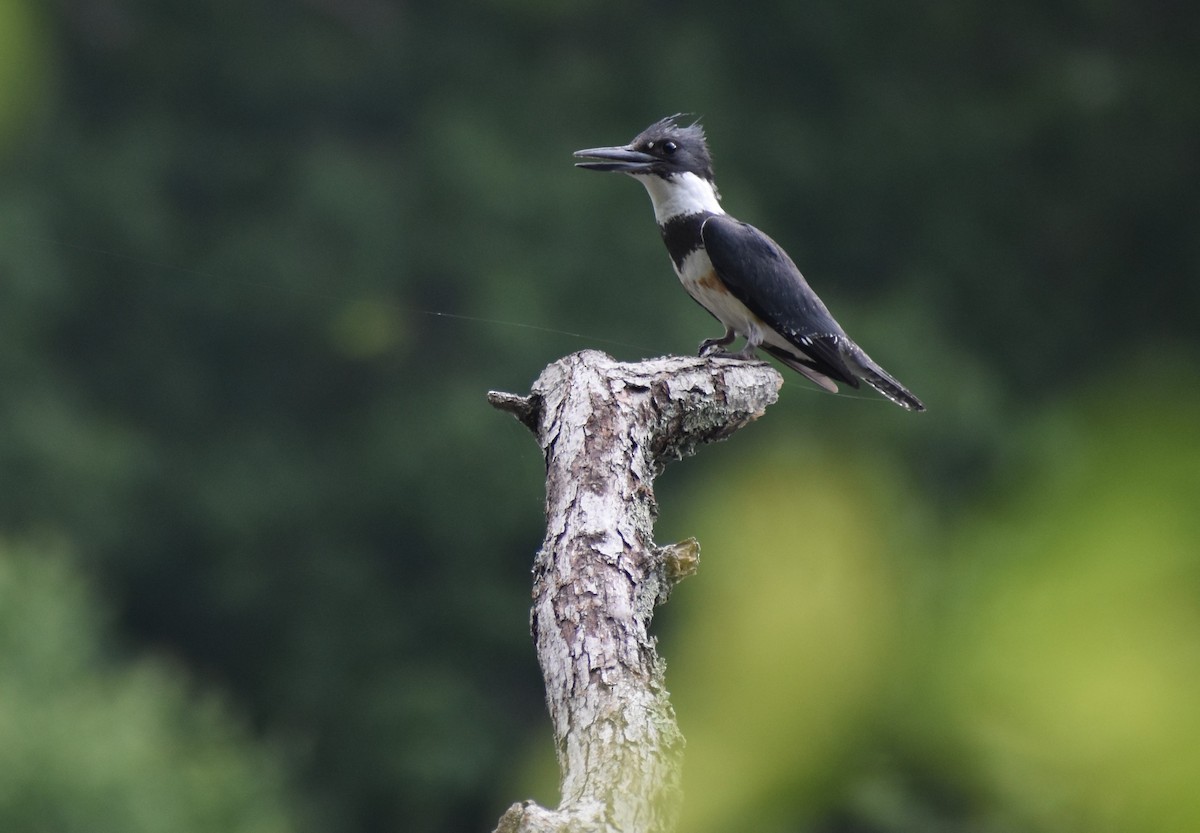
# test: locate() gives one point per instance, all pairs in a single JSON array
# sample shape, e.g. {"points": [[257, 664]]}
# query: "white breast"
{"points": [[701, 282]]}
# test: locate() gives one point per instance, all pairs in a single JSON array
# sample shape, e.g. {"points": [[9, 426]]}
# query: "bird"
{"points": [[738, 274]]}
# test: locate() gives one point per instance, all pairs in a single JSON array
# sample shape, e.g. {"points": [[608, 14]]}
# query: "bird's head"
{"points": [[665, 149]]}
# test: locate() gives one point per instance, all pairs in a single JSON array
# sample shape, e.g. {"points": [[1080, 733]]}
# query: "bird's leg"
{"points": [[750, 351], [707, 346], [713, 347]]}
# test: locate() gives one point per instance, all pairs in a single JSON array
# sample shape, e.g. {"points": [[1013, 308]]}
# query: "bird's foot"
{"points": [[716, 346], [715, 351]]}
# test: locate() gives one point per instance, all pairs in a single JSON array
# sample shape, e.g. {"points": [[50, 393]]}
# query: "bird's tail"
{"points": [[807, 370], [870, 372]]}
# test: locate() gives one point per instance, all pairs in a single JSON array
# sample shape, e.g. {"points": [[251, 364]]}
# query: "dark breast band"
{"points": [[682, 235]]}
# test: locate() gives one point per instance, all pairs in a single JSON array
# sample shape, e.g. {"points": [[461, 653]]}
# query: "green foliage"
{"points": [[786, 642], [89, 742], [260, 262], [1070, 669], [1031, 666], [25, 66]]}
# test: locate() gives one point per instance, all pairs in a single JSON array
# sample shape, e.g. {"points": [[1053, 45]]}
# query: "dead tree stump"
{"points": [[607, 429]]}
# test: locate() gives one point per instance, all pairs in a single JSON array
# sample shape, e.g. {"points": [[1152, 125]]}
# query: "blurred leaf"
{"points": [[1071, 669], [91, 744], [25, 66], [787, 635]]}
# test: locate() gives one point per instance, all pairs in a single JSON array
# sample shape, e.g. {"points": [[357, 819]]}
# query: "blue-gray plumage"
{"points": [[737, 273]]}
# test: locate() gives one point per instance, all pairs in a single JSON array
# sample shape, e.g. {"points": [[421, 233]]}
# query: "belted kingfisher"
{"points": [[733, 270]]}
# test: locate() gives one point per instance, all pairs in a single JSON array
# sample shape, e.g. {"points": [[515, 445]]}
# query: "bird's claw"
{"points": [[716, 346], [716, 351]]}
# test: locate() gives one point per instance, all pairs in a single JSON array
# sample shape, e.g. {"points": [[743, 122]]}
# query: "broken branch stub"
{"points": [[606, 429]]}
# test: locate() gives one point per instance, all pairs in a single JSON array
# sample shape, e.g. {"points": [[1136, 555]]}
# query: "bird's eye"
{"points": [[670, 147]]}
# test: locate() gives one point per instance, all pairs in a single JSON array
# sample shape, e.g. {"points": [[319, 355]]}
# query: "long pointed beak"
{"points": [[621, 159]]}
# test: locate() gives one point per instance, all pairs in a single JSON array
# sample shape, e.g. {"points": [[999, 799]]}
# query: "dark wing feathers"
{"points": [[760, 274]]}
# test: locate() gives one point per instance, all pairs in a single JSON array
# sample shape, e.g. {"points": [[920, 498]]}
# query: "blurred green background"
{"points": [[264, 548]]}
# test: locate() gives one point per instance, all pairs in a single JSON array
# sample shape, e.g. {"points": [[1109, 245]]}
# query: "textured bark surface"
{"points": [[607, 429]]}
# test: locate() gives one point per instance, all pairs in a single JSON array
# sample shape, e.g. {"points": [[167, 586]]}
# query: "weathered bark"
{"points": [[607, 429]]}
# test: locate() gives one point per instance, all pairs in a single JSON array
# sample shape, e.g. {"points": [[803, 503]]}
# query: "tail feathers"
{"points": [[841, 360], [875, 376], [807, 371]]}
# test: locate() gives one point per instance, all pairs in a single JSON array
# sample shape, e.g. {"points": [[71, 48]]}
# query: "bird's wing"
{"points": [[759, 273]]}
